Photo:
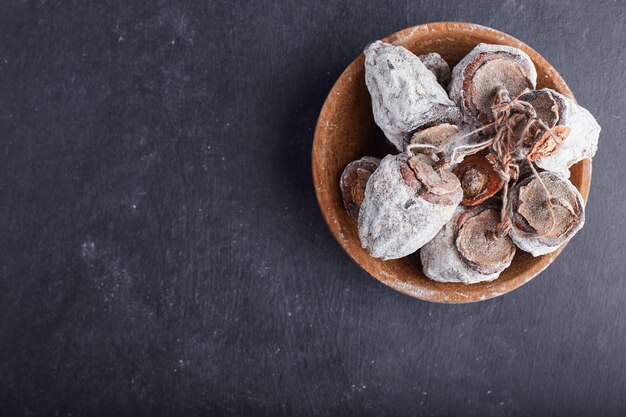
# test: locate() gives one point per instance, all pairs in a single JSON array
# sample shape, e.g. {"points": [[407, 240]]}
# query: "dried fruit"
{"points": [[545, 104], [486, 70], [546, 212], [407, 200], [548, 142], [479, 179], [439, 136], [411, 200], [405, 94], [574, 134], [353, 181], [478, 243], [468, 249], [438, 66]]}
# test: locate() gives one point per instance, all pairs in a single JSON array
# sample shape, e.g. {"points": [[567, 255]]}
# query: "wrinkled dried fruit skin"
{"points": [[398, 215], [485, 70], [353, 181], [438, 66], [442, 261], [405, 94], [479, 180], [581, 142], [533, 229], [441, 135]]}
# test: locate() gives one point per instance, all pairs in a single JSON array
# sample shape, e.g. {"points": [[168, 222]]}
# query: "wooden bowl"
{"points": [[346, 131]]}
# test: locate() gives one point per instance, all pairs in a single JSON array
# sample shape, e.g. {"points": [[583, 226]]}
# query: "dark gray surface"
{"points": [[162, 252]]}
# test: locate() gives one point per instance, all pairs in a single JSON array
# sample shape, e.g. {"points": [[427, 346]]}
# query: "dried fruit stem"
{"points": [[470, 149], [413, 146], [507, 146], [511, 116]]}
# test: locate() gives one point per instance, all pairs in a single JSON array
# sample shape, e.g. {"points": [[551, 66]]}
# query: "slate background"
{"points": [[162, 252]]}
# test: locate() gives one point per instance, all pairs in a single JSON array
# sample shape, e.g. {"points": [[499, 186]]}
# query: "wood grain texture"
{"points": [[346, 131], [162, 251]]}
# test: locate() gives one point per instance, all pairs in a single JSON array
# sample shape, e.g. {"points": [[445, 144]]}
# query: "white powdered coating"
{"points": [[533, 244], [387, 227], [438, 66], [455, 88], [441, 260], [405, 94], [581, 143]]}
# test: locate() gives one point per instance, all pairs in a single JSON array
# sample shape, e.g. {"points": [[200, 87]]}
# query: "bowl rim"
{"points": [[412, 289]]}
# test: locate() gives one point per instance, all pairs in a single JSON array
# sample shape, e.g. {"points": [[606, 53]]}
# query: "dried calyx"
{"points": [[478, 242], [439, 136], [466, 249], [353, 181], [546, 211], [405, 93], [407, 201], [569, 133], [547, 142], [547, 106], [429, 181], [479, 179], [483, 72]]}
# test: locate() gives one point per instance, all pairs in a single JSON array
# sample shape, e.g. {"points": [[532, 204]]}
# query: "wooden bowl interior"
{"points": [[346, 131]]}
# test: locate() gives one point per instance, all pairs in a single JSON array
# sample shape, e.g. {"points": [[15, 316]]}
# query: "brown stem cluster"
{"points": [[516, 126]]}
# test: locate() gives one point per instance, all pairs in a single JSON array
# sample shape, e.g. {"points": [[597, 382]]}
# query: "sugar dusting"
{"points": [[389, 227], [581, 143], [405, 93], [442, 262]]}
